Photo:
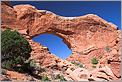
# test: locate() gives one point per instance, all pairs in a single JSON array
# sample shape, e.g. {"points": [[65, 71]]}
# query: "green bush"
{"points": [[77, 64], [45, 78], [32, 67], [33, 63], [15, 49], [60, 77], [94, 61]]}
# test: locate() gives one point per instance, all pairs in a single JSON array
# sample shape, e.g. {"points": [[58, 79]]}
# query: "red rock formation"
{"points": [[15, 76], [87, 36], [8, 16]]}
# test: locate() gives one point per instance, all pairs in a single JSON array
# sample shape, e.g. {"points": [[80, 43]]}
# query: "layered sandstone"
{"points": [[87, 36]]}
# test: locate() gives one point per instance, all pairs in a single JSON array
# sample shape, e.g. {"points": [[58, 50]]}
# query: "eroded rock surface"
{"points": [[87, 36]]}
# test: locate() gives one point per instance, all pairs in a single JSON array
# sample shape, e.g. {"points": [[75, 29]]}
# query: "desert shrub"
{"points": [[32, 63], [32, 67], [15, 49], [94, 61], [80, 65], [60, 77], [45, 78], [77, 64]]}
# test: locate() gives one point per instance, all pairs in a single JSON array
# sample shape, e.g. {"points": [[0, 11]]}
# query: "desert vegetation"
{"points": [[15, 50], [45, 78], [16, 55], [60, 77], [77, 64], [94, 61]]}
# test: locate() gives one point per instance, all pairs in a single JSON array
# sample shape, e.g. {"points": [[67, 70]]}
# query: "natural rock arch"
{"points": [[56, 34], [88, 34], [61, 48], [79, 32]]}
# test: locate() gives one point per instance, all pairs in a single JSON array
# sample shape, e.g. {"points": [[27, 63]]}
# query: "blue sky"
{"points": [[54, 44], [108, 10]]}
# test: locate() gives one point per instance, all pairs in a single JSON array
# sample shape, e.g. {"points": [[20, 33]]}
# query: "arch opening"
{"points": [[55, 43]]}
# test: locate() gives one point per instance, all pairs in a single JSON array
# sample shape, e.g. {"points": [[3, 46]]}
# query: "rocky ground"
{"points": [[87, 36]]}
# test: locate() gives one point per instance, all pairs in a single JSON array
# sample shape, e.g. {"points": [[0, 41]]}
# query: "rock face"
{"points": [[87, 36], [15, 76]]}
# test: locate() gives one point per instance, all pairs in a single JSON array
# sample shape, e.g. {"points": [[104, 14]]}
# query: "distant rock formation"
{"points": [[87, 36]]}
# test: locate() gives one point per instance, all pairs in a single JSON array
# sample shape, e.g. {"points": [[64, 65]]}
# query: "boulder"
{"points": [[115, 67]]}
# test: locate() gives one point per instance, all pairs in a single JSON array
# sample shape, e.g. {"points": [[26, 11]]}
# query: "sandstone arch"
{"points": [[88, 34], [56, 34]]}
